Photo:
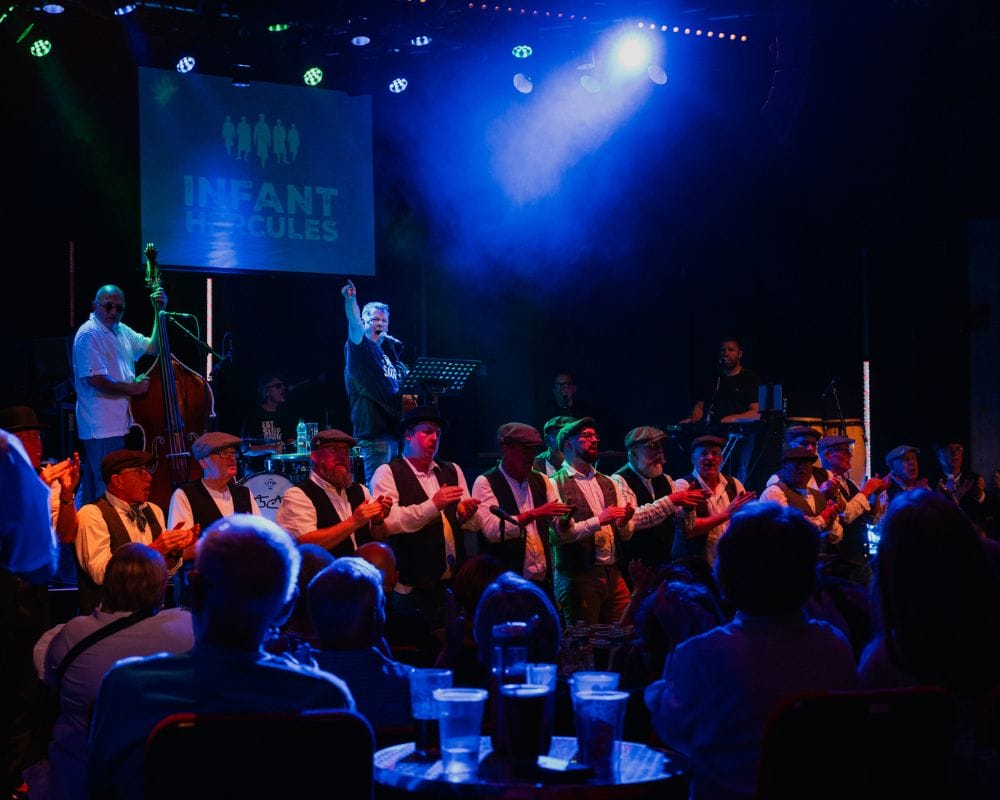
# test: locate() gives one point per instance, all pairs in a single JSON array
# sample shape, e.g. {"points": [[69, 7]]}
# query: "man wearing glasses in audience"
{"points": [[122, 515], [105, 351]]}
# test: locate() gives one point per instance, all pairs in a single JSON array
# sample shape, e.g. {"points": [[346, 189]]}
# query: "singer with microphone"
{"points": [[515, 503], [729, 397], [373, 372]]}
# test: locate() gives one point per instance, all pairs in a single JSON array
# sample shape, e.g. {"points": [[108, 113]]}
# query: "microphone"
{"points": [[496, 511], [830, 387], [386, 337], [292, 387], [180, 314]]}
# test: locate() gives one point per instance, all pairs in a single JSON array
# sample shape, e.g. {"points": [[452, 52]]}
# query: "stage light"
{"points": [[657, 74], [521, 51], [632, 52], [420, 41], [523, 83], [40, 48], [398, 85], [241, 75], [590, 83], [53, 8], [185, 64], [360, 40], [278, 27], [121, 9], [312, 76]]}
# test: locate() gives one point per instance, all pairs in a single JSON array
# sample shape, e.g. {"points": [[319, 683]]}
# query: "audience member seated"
{"points": [[719, 688], [347, 605], [407, 637], [511, 598], [130, 621], [243, 583], [298, 636], [937, 609]]}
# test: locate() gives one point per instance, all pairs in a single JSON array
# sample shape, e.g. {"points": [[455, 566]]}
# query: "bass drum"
{"points": [[856, 431], [267, 489]]}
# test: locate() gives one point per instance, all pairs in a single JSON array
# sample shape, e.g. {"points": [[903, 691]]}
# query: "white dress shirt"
{"points": [[297, 514]]}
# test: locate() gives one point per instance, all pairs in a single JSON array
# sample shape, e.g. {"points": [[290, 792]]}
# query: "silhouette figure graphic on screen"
{"points": [[243, 139], [262, 139], [228, 134], [279, 134], [293, 142]]}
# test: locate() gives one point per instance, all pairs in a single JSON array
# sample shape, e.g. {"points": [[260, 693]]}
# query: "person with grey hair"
{"points": [[243, 582], [105, 350], [511, 598], [130, 621], [347, 607], [373, 372]]}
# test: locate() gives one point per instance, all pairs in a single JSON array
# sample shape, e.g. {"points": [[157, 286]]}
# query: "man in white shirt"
{"points": [[330, 508], [793, 490], [124, 514], [526, 500], [431, 506]]}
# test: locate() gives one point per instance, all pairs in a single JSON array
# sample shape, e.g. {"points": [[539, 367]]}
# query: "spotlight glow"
{"points": [[657, 74], [361, 40], [521, 51], [185, 64], [312, 76], [398, 85], [278, 27], [632, 52], [40, 48], [420, 41], [590, 83], [53, 8], [123, 9]]}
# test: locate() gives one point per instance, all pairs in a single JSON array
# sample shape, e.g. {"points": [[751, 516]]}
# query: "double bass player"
{"points": [[105, 351]]}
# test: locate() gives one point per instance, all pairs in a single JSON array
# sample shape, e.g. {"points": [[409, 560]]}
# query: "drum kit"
{"points": [[269, 474]]}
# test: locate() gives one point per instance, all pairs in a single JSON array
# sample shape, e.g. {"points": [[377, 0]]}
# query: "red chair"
{"points": [[259, 755], [888, 743]]}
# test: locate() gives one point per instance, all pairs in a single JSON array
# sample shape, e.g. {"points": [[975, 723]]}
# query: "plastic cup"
{"points": [[423, 682], [600, 723], [584, 681], [545, 675], [312, 428], [460, 716], [521, 721]]}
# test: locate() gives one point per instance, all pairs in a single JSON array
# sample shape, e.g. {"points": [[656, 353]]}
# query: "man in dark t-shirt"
{"points": [[730, 397], [372, 373], [269, 427]]}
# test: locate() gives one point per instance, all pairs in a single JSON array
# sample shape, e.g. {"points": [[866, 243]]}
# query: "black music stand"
{"points": [[439, 376]]}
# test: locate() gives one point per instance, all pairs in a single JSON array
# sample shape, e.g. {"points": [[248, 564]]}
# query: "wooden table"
{"points": [[644, 772]]}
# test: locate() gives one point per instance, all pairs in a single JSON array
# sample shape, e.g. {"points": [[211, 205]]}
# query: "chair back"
{"points": [[259, 755], [866, 743]]}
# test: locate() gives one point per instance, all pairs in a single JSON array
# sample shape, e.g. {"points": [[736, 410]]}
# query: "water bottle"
{"points": [[301, 438]]}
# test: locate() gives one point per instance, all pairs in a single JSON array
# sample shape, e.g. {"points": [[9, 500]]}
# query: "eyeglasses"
{"points": [[148, 470], [228, 453], [109, 307], [593, 436]]}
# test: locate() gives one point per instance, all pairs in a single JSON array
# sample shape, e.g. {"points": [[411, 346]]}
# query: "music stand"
{"points": [[439, 376]]}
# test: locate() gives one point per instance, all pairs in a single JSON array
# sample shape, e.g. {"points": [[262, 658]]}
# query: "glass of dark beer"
{"points": [[423, 682]]}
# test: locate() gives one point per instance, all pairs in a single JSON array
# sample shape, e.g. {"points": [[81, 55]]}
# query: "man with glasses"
{"points": [[123, 514], [329, 508], [268, 426], [197, 504], [642, 482], [105, 351], [966, 488]]}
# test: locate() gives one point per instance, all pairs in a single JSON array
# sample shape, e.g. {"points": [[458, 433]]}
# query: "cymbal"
{"points": [[264, 453]]}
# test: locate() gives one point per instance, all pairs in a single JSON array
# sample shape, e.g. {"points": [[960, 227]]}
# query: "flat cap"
{"points": [[555, 423], [706, 440], [573, 428], [899, 452], [419, 414], [644, 434], [519, 433], [797, 454], [213, 442], [832, 442], [20, 418], [331, 436], [795, 431], [118, 460]]}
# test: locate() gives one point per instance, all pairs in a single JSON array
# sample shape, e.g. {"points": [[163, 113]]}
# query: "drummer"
{"points": [[268, 427], [330, 508]]}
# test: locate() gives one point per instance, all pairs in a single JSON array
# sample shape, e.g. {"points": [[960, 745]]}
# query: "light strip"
{"points": [[209, 322], [866, 405]]}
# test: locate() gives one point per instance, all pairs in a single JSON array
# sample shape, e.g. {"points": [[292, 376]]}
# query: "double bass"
{"points": [[175, 410]]}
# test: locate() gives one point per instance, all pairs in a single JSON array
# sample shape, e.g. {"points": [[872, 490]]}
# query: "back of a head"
{"points": [[677, 610], [314, 560], [511, 598], [767, 559], [938, 594], [380, 555], [134, 580], [247, 567], [347, 605]]}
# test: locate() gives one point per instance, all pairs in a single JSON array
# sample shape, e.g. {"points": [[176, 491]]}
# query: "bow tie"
{"points": [[135, 515]]}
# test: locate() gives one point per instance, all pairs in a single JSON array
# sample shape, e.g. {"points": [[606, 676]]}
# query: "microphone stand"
{"points": [[204, 346], [840, 411]]}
